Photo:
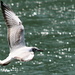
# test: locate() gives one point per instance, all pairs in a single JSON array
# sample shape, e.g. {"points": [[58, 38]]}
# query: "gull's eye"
{"points": [[34, 49]]}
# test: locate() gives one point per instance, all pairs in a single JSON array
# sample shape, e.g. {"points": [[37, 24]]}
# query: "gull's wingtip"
{"points": [[4, 6], [1, 3]]}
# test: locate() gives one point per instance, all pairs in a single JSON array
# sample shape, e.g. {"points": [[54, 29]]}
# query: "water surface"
{"points": [[49, 25]]}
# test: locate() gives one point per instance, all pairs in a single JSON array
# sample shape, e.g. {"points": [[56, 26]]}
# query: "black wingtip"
{"points": [[2, 6], [1, 3], [5, 6]]}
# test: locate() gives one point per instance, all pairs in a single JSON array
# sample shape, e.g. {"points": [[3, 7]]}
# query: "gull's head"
{"points": [[34, 49]]}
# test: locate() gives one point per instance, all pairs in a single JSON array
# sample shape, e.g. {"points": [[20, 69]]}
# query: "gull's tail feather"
{"points": [[6, 61]]}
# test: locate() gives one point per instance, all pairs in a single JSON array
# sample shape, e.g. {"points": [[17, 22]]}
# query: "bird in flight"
{"points": [[15, 36]]}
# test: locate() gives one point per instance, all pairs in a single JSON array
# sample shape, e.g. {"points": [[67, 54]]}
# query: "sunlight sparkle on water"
{"points": [[34, 13], [5, 70], [44, 33]]}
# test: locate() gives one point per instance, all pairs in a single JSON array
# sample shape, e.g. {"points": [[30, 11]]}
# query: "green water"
{"points": [[49, 25]]}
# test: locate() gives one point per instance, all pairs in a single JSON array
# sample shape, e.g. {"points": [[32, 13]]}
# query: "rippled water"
{"points": [[49, 25]]}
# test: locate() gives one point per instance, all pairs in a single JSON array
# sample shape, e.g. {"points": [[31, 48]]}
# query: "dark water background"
{"points": [[49, 25]]}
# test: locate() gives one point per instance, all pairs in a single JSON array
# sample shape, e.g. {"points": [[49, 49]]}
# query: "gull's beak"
{"points": [[40, 50]]}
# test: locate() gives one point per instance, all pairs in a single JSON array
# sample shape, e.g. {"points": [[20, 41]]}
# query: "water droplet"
{"points": [[50, 60], [72, 64]]}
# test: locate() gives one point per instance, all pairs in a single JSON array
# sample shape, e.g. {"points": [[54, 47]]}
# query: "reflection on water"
{"points": [[49, 25]]}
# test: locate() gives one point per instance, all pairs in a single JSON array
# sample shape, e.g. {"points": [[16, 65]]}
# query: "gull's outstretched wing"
{"points": [[15, 29]]}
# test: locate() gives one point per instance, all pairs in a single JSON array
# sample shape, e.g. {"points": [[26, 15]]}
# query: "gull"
{"points": [[15, 37]]}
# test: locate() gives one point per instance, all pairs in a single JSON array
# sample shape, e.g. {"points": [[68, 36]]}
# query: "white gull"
{"points": [[15, 36]]}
